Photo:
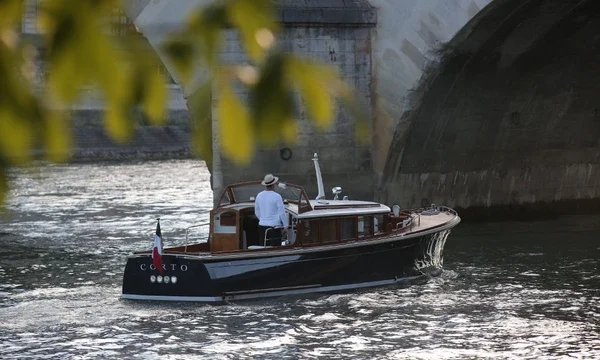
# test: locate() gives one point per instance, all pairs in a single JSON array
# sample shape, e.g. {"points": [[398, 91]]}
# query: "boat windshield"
{"points": [[248, 191]]}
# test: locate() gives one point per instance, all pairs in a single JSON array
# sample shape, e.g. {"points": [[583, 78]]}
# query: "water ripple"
{"points": [[509, 290]]}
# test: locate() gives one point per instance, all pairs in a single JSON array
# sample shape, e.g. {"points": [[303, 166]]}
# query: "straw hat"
{"points": [[270, 180]]}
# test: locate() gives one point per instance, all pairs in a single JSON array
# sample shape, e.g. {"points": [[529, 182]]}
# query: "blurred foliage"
{"points": [[81, 52]]}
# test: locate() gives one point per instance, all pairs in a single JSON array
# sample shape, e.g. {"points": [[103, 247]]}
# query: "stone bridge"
{"points": [[477, 104]]}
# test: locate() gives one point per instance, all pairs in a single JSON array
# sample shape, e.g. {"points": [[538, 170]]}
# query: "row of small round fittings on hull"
{"points": [[160, 279]]}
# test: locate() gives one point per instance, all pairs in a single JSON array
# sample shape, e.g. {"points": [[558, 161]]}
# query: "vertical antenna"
{"points": [[321, 194]]}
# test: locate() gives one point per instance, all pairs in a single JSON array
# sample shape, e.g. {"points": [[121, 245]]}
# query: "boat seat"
{"points": [[254, 247]]}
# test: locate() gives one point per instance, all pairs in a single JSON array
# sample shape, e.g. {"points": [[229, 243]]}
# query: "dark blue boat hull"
{"points": [[273, 273]]}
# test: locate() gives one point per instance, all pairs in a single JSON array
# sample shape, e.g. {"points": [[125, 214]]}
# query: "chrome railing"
{"points": [[412, 219], [274, 228], [405, 223], [417, 217], [446, 209], [187, 231], [414, 215], [436, 209]]}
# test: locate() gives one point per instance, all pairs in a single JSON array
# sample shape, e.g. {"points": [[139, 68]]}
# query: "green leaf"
{"points": [[311, 79], [65, 77], [3, 184], [210, 37], [257, 30], [235, 127], [205, 30], [104, 5], [17, 136], [64, 80], [10, 12], [118, 123], [155, 98], [289, 131], [200, 107], [58, 135], [180, 53], [271, 101]]}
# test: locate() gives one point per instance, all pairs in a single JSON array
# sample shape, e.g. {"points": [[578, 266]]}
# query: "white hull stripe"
{"points": [[265, 294]]}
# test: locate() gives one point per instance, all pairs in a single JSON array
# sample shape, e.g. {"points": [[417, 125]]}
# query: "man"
{"points": [[270, 211]]}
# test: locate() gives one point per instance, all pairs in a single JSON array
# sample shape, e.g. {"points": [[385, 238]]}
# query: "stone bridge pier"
{"points": [[483, 105]]}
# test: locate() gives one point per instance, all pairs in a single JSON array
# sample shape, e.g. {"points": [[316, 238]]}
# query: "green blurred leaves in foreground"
{"points": [[256, 102]]}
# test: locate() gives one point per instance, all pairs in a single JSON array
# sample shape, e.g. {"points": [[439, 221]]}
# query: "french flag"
{"points": [[157, 249]]}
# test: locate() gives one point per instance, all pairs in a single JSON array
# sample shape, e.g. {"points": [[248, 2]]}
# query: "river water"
{"points": [[510, 290]]}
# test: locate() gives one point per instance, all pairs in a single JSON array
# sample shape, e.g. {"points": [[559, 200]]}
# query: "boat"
{"points": [[331, 246]]}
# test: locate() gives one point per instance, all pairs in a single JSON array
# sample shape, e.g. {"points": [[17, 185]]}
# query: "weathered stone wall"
{"points": [[344, 162], [92, 141], [336, 35], [149, 142]]}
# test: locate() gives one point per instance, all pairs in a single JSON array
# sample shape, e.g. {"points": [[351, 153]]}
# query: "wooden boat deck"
{"points": [[424, 222]]}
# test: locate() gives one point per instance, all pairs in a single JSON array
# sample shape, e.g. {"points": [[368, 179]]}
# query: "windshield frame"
{"points": [[292, 193]]}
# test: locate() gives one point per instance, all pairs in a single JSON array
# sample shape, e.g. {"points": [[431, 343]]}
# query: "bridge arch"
{"points": [[511, 116]]}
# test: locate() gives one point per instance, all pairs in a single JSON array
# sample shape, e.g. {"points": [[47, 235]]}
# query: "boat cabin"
{"points": [[234, 226]]}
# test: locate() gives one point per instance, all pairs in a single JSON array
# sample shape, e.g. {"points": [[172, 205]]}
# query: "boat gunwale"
{"points": [[291, 250]]}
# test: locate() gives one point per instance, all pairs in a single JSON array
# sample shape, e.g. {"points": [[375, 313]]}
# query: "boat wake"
{"points": [[432, 253]]}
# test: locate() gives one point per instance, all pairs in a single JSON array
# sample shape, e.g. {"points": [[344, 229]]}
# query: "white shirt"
{"points": [[269, 209]]}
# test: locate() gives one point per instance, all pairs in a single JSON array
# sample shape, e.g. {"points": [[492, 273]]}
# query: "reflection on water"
{"points": [[510, 290]]}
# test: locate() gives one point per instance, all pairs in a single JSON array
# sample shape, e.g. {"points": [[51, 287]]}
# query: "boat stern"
{"points": [[181, 279]]}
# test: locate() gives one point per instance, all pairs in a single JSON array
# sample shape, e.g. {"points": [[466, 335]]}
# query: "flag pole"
{"points": [[157, 249]]}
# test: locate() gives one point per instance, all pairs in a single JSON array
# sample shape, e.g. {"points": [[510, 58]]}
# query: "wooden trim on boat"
{"points": [[244, 183], [386, 228], [302, 196], [289, 250], [211, 228], [304, 208]]}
